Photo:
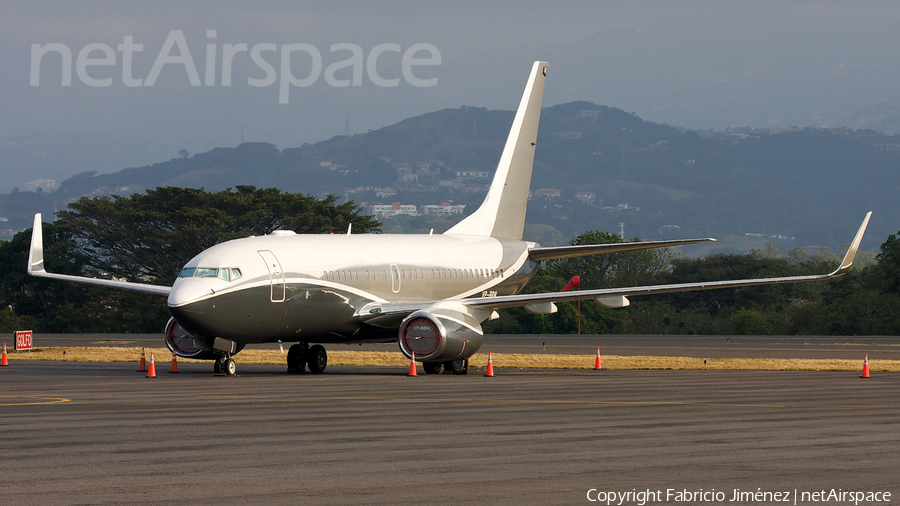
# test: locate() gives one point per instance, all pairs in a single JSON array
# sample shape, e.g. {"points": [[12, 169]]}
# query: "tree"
{"points": [[888, 266], [628, 268], [45, 305], [183, 153], [149, 237]]}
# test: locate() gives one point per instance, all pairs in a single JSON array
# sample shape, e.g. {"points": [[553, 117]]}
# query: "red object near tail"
{"points": [[573, 283]]}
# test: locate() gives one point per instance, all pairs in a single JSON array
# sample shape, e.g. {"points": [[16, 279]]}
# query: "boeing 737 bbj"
{"points": [[430, 293]]}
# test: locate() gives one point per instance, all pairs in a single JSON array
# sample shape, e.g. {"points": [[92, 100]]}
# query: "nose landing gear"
{"points": [[225, 365]]}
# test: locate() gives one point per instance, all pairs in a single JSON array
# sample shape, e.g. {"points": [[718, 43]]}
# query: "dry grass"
{"points": [[510, 360]]}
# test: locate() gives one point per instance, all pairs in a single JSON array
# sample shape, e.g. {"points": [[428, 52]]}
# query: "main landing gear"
{"points": [[225, 365], [300, 356], [458, 366]]}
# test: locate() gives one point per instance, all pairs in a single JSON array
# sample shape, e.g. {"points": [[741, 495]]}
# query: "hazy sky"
{"points": [[698, 64]]}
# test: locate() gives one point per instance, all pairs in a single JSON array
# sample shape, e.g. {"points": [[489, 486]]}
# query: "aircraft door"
{"points": [[395, 278], [276, 275]]}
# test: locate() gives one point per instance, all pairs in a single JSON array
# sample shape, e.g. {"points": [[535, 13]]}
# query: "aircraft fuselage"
{"points": [[309, 288]]}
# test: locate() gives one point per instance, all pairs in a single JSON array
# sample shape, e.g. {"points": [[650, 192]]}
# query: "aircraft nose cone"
{"points": [[187, 290]]}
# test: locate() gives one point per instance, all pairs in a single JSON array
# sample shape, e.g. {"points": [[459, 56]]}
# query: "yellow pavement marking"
{"points": [[43, 400]]}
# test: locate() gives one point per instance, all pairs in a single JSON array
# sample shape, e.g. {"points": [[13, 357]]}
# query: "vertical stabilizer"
{"points": [[502, 214]]}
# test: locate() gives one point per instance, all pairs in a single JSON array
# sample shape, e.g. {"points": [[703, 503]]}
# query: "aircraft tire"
{"points": [[457, 366], [229, 366], [296, 358], [433, 367], [317, 359], [217, 366]]}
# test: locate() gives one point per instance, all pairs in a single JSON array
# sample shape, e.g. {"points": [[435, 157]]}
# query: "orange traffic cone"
{"points": [[865, 373], [3, 359], [597, 364], [143, 367], [152, 372], [174, 368], [412, 365], [490, 367]]}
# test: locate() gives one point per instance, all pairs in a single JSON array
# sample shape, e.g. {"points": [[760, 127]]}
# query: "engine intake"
{"points": [[440, 334], [184, 344]]}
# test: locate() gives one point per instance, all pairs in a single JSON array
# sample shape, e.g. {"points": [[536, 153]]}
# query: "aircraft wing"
{"points": [[556, 253], [36, 267], [612, 293]]}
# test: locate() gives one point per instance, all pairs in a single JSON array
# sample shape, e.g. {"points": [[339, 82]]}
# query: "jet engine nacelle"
{"points": [[440, 334], [183, 343]]}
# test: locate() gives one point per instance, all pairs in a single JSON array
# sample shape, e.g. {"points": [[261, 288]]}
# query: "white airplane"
{"points": [[430, 293]]}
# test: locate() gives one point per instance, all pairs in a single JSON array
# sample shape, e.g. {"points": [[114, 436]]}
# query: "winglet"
{"points": [[36, 253], [854, 247]]}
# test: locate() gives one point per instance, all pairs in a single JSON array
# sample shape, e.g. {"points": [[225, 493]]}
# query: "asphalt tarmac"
{"points": [[824, 347], [89, 433]]}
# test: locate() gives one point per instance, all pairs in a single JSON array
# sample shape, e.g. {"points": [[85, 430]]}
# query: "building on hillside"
{"points": [[390, 210], [45, 184], [622, 207], [444, 209], [473, 175], [586, 197], [545, 194], [450, 184], [403, 168]]}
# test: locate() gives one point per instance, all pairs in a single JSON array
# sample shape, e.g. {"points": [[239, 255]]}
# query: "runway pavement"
{"points": [[89, 433], [823, 347]]}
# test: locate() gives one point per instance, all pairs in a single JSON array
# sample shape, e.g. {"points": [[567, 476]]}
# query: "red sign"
{"points": [[23, 340]]}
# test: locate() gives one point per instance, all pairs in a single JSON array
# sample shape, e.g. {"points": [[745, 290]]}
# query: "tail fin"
{"points": [[502, 214]]}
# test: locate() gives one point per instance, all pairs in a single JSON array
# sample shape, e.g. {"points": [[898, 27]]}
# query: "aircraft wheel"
{"points": [[229, 367], [217, 366], [433, 367], [317, 359], [457, 366], [296, 358]]}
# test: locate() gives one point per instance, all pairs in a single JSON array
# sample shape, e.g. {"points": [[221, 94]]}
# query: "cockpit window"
{"points": [[203, 272], [225, 273]]}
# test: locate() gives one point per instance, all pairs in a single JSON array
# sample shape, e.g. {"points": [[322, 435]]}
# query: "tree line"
{"points": [[865, 301], [148, 238]]}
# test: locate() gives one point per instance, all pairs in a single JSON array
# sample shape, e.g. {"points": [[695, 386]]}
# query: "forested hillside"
{"points": [[797, 187]]}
